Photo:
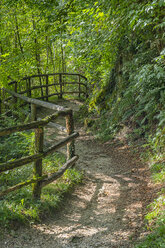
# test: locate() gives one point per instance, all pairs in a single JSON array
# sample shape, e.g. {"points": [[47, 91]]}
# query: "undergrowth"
{"points": [[19, 206], [156, 210]]}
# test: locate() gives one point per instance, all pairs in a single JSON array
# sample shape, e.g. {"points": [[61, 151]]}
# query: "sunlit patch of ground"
{"points": [[106, 210]]}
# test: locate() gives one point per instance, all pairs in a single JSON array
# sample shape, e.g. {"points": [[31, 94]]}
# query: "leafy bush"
{"points": [[15, 145], [156, 223], [155, 239]]}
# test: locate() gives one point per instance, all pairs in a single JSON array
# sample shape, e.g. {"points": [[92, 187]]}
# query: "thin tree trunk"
{"points": [[54, 67], [37, 55], [1, 52], [18, 34], [62, 51], [62, 58], [47, 54]]}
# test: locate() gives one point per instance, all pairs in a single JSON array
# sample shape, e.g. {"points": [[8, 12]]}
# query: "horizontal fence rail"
{"points": [[22, 161], [45, 179], [10, 97]]}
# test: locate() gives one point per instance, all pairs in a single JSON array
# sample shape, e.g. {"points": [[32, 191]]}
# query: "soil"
{"points": [[106, 211]]}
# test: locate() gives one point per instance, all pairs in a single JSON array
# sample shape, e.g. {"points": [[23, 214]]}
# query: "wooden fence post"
{"points": [[28, 87], [33, 112], [70, 130], [0, 101], [37, 168], [86, 89], [30, 93], [15, 90], [4, 106], [60, 82], [79, 88], [47, 89]]}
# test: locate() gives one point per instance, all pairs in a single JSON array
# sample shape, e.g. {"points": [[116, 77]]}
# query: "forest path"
{"points": [[105, 211]]}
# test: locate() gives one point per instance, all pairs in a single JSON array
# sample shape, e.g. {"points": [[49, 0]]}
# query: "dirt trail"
{"points": [[106, 211]]}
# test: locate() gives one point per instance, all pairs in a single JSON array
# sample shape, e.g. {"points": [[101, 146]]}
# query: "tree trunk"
{"points": [[18, 34], [37, 55]]}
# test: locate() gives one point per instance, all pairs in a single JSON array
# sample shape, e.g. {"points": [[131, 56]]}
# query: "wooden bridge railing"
{"points": [[39, 180], [51, 85]]}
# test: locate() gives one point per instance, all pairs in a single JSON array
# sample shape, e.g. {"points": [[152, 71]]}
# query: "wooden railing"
{"points": [[39, 180], [46, 85]]}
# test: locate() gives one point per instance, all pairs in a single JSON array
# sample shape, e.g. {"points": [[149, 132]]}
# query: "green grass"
{"points": [[154, 240], [158, 172], [156, 210], [15, 145], [19, 206]]}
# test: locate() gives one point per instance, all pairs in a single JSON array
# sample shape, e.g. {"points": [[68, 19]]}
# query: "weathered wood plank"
{"points": [[34, 124], [37, 102], [19, 128], [44, 180], [20, 185], [79, 86], [10, 165], [54, 176], [29, 159], [15, 89], [55, 125], [61, 88], [61, 144], [47, 87], [37, 168], [34, 112], [0, 103], [70, 130]]}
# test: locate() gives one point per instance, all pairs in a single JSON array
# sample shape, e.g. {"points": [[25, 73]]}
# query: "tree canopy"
{"points": [[117, 45]]}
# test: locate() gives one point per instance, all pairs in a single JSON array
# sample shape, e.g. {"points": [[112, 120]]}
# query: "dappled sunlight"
{"points": [[91, 218], [107, 207]]}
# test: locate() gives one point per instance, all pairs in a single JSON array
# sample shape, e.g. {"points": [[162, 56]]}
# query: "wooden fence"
{"points": [[51, 85], [39, 180]]}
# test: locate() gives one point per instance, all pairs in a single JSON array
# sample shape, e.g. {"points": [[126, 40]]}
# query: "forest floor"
{"points": [[106, 210]]}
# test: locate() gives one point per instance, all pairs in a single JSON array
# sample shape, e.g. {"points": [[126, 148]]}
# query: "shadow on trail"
{"points": [[106, 211]]}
